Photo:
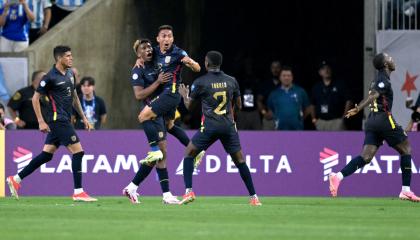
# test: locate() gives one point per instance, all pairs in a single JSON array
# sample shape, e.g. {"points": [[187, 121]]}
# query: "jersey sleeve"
{"points": [[381, 85], [44, 85], [137, 77], [16, 101], [102, 107], [236, 90], [196, 90]]}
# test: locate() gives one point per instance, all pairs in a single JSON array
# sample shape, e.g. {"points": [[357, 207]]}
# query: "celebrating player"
{"points": [[216, 91], [380, 125], [59, 86], [168, 59], [147, 81]]}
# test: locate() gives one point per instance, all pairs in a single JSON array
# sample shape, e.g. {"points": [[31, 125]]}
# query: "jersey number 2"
{"points": [[222, 104]]}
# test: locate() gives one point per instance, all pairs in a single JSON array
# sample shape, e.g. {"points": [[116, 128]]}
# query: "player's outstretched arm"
{"points": [[43, 127], [79, 110], [190, 63], [373, 95]]}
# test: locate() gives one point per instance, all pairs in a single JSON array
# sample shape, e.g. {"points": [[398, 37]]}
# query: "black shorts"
{"points": [[165, 104], [160, 127], [62, 133], [227, 134], [380, 127]]}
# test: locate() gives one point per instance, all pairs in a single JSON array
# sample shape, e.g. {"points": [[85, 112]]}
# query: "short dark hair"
{"points": [[165, 27], [60, 50], [379, 61], [34, 74], [89, 80], [139, 42], [2, 106], [286, 68], [214, 58]]}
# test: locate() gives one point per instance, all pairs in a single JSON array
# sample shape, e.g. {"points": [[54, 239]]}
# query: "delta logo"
{"points": [[22, 157], [382, 164]]}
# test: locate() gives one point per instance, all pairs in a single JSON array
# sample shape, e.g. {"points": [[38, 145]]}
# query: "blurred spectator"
{"points": [[20, 105], [42, 12], [288, 103], [14, 17], [248, 118], [414, 122], [92, 105], [330, 101], [264, 91], [5, 123], [62, 8]]}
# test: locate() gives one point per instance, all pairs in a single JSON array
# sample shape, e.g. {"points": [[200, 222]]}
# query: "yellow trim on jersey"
{"points": [[177, 114], [2, 163], [391, 121], [55, 116], [375, 106], [173, 87]]}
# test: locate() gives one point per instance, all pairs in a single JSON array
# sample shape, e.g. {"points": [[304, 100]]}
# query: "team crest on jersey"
{"points": [[167, 59], [17, 96], [73, 138], [42, 83], [160, 134], [135, 76], [381, 85]]}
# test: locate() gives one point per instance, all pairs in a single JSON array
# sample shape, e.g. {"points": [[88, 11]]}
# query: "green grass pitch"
{"points": [[209, 218]]}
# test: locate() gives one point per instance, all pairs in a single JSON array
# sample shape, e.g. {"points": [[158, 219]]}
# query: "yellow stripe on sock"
{"points": [[173, 87], [55, 116], [391, 121], [2, 163]]}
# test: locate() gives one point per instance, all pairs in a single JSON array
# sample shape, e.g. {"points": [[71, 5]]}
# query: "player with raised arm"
{"points": [[380, 125]]}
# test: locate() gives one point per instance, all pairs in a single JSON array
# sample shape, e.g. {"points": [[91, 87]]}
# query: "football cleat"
{"points": [[152, 156], [334, 184], [83, 197], [13, 186], [198, 159], [254, 201], [132, 195], [170, 200], [187, 198], [410, 196]]}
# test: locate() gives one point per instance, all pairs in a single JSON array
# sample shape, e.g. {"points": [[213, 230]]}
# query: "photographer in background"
{"points": [[5, 123], [413, 125]]}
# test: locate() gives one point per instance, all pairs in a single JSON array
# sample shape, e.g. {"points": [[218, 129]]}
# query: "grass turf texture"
{"points": [[210, 218]]}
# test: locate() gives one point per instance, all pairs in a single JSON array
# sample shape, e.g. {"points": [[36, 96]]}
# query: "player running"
{"points": [[216, 91], [380, 125], [59, 86]]}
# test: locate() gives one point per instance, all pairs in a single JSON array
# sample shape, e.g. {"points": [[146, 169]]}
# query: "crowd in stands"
{"points": [[24, 21]]}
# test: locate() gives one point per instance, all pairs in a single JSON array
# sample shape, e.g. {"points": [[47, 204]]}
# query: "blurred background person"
{"points": [[14, 17], [42, 11], [265, 88], [5, 123], [288, 104], [330, 101], [92, 105], [20, 105]]}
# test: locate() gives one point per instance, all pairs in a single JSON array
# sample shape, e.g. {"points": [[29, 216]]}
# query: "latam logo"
{"points": [[22, 157], [329, 158]]}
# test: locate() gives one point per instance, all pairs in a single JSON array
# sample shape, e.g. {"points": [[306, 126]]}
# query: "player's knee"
{"points": [[367, 158]]}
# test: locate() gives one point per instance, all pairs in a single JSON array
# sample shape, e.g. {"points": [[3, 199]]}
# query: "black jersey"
{"points": [[382, 85], [59, 89], [216, 91]]}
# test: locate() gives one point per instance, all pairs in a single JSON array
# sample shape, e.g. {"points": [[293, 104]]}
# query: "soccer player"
{"points": [[380, 125], [169, 59], [58, 85], [217, 92], [147, 81]]}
